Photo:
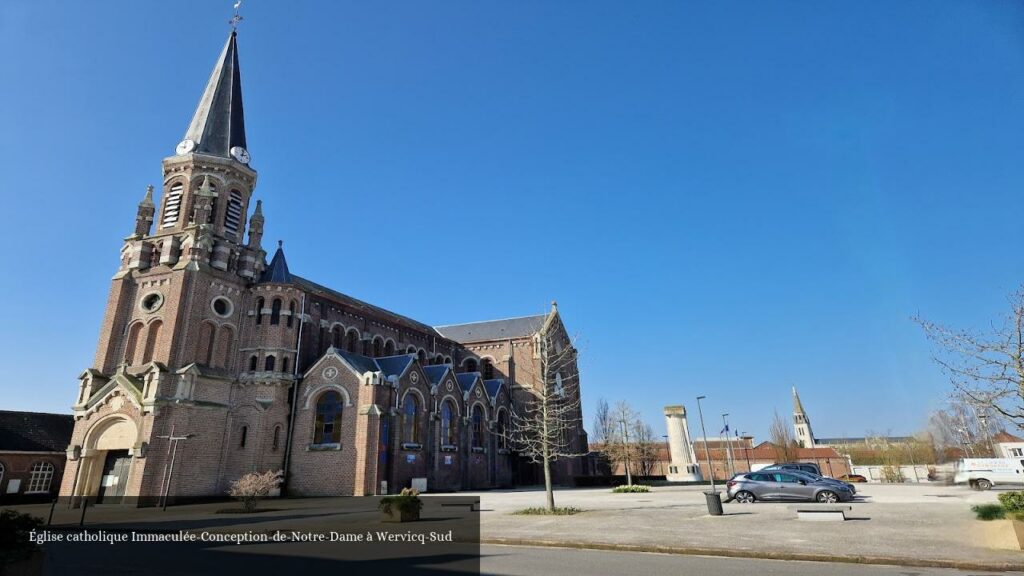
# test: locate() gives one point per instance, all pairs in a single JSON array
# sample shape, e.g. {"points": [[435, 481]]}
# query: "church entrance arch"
{"points": [[108, 462]]}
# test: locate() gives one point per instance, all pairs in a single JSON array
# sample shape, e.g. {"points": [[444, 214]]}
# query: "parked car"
{"points": [[786, 485], [804, 466], [816, 477], [852, 478]]}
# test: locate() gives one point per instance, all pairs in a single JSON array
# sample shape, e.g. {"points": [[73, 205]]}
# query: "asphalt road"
{"points": [[524, 561]]}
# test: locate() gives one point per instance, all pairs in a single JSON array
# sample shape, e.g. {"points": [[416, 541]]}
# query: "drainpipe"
{"points": [[294, 399]]}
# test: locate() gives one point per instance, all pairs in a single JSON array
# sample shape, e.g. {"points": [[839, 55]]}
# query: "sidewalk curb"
{"points": [[764, 555]]}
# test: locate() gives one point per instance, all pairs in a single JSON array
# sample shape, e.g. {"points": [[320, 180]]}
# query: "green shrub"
{"points": [[1012, 501], [989, 511], [567, 511], [631, 489], [407, 501], [14, 536]]}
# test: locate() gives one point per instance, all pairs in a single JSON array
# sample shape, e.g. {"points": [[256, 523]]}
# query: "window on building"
{"points": [[275, 442], [559, 387], [447, 424], [337, 338], [259, 310], [389, 348], [1017, 452], [284, 364], [291, 316], [503, 430], [478, 427], [40, 478], [252, 363], [172, 206], [233, 215], [327, 426], [353, 341], [470, 365], [422, 356], [378, 348], [275, 312], [487, 368], [411, 419], [269, 364]]}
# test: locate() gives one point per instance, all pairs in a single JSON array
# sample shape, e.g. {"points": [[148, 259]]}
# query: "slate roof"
{"points": [[493, 329], [35, 431], [466, 380], [278, 270], [358, 361], [219, 122], [492, 387], [436, 372], [395, 365], [322, 290]]}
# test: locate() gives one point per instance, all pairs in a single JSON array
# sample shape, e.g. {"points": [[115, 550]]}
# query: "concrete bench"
{"points": [[822, 513]]}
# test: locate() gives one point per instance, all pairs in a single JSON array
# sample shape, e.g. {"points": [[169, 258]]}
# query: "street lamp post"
{"points": [[713, 501], [730, 466], [668, 454]]}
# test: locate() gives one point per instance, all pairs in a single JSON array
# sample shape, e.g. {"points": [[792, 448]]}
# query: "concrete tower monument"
{"points": [[683, 467]]}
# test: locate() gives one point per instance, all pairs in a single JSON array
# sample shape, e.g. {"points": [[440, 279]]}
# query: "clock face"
{"points": [[240, 154], [185, 146]]}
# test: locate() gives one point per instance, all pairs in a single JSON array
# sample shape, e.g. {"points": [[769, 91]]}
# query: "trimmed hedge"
{"points": [[1012, 501]]}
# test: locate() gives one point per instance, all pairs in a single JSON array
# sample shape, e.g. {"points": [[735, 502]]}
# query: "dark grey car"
{"points": [[783, 485]]}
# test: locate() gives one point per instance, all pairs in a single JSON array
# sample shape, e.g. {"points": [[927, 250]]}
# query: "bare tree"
{"points": [[782, 437], [987, 367], [960, 428], [544, 428], [646, 448], [604, 426], [254, 486]]}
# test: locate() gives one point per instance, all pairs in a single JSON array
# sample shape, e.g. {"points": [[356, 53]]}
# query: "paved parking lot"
{"points": [[897, 521]]}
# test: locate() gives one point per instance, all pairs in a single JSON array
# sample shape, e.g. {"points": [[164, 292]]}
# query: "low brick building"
{"points": [[32, 456]]}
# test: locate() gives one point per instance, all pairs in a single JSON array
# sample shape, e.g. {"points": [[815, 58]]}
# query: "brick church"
{"points": [[212, 363]]}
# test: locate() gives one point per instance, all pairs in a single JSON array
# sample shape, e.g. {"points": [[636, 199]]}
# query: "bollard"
{"points": [[714, 503]]}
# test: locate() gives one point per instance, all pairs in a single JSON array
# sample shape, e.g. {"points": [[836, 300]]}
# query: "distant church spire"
{"points": [[801, 423], [218, 125]]}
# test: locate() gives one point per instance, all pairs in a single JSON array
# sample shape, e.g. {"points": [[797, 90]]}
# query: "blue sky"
{"points": [[726, 198]]}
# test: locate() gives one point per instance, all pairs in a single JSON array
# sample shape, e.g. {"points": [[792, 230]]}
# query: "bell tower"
{"points": [[801, 423]]}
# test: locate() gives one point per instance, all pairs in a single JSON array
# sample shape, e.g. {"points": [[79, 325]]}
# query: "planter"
{"points": [[396, 515], [1000, 534]]}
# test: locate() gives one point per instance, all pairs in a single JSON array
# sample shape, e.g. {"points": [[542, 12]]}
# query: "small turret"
{"points": [[256, 226], [144, 216]]}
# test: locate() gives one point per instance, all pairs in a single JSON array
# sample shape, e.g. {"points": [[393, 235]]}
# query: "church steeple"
{"points": [[802, 423], [218, 125]]}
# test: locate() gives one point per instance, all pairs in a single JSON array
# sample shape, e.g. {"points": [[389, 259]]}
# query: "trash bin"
{"points": [[714, 503]]}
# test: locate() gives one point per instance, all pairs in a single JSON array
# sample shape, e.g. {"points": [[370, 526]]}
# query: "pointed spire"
{"points": [[256, 226], [147, 200], [798, 408], [219, 124], [277, 272]]}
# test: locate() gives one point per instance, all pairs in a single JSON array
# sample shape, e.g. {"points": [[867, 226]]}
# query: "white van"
{"points": [[984, 473]]}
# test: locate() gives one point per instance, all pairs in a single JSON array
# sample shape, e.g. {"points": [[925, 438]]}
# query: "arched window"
{"points": [[268, 365], [204, 354], [291, 317], [447, 359], [410, 350], [284, 364], [151, 337], [243, 435], [488, 369], [389, 348], [133, 342], [470, 365], [172, 205], [259, 310], [327, 427], [447, 424], [559, 387], [337, 338], [422, 355], [225, 347], [40, 478], [233, 215], [378, 347], [353, 341], [503, 429], [411, 419], [478, 427], [275, 442], [367, 348], [252, 363], [275, 312]]}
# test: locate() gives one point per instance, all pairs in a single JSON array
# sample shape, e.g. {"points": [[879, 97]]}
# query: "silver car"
{"points": [[812, 476], [788, 485]]}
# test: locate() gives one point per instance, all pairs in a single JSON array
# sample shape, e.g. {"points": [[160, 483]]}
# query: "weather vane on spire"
{"points": [[237, 17]]}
